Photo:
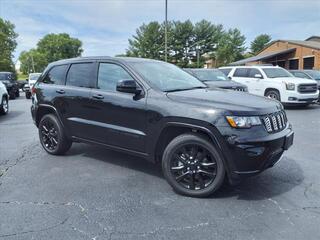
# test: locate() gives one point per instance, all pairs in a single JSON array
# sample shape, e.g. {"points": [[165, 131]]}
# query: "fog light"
{"points": [[292, 99]]}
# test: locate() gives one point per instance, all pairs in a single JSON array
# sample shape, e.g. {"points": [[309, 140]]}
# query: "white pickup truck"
{"points": [[4, 99], [275, 82]]}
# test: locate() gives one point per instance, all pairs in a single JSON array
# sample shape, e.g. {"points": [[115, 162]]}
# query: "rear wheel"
{"points": [[193, 166], [52, 137], [274, 94], [4, 109], [28, 95]]}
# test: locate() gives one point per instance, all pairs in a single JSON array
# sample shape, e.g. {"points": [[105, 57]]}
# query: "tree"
{"points": [[148, 42], [207, 37], [231, 47], [182, 37], [32, 61], [8, 44], [50, 48], [59, 46], [259, 43]]}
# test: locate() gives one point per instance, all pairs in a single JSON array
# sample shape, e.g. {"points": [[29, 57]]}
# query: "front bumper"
{"points": [[249, 155], [299, 98]]}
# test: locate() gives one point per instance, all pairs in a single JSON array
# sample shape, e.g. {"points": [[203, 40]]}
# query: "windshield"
{"points": [[276, 72], [5, 76], [167, 77], [209, 75], [314, 74], [34, 76]]}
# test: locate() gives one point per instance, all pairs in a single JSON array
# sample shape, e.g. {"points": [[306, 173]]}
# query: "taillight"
{"points": [[33, 90]]}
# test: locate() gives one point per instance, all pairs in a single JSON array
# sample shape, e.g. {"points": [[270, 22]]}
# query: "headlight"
{"points": [[243, 122], [290, 86]]}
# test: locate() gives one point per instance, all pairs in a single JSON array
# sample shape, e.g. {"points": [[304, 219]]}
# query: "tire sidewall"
{"points": [[186, 140], [275, 93], [53, 119], [2, 111]]}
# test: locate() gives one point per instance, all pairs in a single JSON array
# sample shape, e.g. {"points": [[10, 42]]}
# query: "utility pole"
{"points": [[32, 63], [166, 32]]}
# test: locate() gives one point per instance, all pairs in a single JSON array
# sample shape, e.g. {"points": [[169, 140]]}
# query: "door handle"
{"points": [[60, 91], [98, 96]]}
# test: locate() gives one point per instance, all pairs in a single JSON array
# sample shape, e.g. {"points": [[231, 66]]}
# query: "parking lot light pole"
{"points": [[166, 32]]}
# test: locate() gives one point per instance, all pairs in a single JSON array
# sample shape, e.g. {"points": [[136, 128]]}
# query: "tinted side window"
{"points": [[109, 74], [80, 74], [226, 71], [254, 71], [56, 75], [241, 72]]}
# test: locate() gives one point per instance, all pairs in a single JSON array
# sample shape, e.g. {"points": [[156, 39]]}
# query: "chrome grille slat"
{"points": [[275, 122]]}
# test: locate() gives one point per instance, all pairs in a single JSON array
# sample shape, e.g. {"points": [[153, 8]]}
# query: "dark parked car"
{"points": [[308, 74], [8, 79], [216, 78], [157, 111]]}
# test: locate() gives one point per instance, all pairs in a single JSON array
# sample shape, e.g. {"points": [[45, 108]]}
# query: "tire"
{"points": [[4, 108], [12, 96], [274, 94], [28, 95], [201, 177], [52, 136]]}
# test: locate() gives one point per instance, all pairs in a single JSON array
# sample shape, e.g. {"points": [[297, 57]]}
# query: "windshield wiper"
{"points": [[184, 89]]}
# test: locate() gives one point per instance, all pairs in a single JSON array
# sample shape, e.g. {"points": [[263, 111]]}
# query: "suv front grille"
{"points": [[307, 88], [275, 122]]}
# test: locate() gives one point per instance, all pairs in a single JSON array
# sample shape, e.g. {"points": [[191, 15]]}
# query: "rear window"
{"points": [[79, 74], [56, 75], [241, 72], [226, 71]]}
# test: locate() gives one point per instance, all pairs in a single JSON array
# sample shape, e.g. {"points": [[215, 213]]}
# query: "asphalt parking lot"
{"points": [[93, 193]]}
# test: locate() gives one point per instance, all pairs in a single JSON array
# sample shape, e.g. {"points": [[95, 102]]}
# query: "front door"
{"points": [[118, 119]]}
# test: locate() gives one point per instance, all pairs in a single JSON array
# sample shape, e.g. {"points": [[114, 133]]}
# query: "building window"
{"points": [[294, 64], [308, 63]]}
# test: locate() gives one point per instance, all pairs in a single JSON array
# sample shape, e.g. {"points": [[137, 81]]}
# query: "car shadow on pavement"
{"points": [[116, 158], [273, 182]]}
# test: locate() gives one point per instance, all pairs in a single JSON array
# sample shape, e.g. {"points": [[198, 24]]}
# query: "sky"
{"points": [[104, 26]]}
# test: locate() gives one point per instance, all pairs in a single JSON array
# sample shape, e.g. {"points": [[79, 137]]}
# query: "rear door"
{"points": [[117, 118], [76, 98]]}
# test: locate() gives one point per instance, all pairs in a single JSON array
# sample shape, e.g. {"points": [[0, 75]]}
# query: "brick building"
{"points": [[290, 54]]}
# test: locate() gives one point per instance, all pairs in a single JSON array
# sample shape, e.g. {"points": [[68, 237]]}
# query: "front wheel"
{"points": [[52, 137], [274, 94], [193, 166]]}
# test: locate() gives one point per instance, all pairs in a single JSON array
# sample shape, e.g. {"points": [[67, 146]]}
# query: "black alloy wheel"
{"points": [[52, 137], [49, 135], [193, 166]]}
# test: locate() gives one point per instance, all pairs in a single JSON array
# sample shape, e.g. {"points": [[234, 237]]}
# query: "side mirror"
{"points": [[230, 78], [258, 75], [128, 86]]}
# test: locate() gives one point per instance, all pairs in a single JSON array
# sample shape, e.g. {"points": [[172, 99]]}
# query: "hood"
{"points": [[228, 84], [296, 80], [237, 103]]}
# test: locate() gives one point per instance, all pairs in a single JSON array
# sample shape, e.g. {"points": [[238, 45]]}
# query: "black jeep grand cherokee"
{"points": [[157, 111]]}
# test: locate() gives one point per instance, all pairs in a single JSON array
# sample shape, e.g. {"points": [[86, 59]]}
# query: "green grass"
{"points": [[22, 76]]}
